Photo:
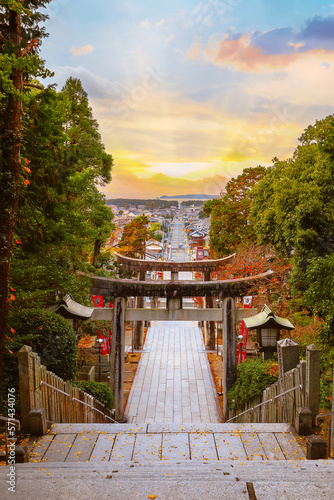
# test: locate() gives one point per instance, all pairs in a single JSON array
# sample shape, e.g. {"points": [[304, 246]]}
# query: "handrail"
{"points": [[92, 408], [75, 399], [265, 402], [14, 420], [54, 388], [323, 415]]}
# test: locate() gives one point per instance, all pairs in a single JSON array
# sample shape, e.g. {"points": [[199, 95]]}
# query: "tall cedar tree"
{"points": [[62, 221], [19, 40]]}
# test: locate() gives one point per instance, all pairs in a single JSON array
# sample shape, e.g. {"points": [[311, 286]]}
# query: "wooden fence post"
{"points": [[27, 389], [312, 392], [331, 451]]}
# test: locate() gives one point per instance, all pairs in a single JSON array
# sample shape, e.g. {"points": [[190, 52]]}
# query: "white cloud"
{"points": [[170, 38], [197, 9], [80, 51], [145, 24], [208, 21], [160, 23]]}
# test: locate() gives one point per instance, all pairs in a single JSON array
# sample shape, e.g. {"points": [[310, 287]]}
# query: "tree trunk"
{"points": [[10, 179], [96, 252]]}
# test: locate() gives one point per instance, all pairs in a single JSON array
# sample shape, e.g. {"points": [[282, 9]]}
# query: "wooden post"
{"points": [[27, 392], [331, 445], [117, 356], [288, 358], [229, 351], [312, 393], [209, 326], [138, 329]]}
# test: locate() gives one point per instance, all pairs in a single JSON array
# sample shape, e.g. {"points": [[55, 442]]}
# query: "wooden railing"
{"points": [[61, 402], [296, 388], [259, 406]]}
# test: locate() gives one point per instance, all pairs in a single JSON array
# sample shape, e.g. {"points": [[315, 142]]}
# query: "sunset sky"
{"points": [[190, 93]]}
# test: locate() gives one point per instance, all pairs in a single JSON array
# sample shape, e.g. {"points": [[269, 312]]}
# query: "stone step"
{"points": [[154, 443], [286, 480], [170, 427]]}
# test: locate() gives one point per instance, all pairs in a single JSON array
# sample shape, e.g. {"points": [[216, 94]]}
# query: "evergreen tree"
{"points": [[230, 225], [20, 37], [62, 218], [293, 206]]}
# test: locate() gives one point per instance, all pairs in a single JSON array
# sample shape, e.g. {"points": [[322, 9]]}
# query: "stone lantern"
{"points": [[268, 327]]}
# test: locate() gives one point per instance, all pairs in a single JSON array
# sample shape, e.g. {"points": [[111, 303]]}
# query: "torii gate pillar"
{"points": [[229, 351], [209, 326], [117, 356], [138, 329]]}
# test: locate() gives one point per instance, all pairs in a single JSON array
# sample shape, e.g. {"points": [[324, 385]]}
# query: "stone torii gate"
{"points": [[173, 291], [141, 266]]}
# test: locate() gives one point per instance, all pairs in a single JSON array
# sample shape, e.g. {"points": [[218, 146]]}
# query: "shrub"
{"points": [[52, 337], [98, 390], [254, 375]]}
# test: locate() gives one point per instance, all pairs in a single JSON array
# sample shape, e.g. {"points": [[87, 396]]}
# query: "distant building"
{"points": [[197, 239]]}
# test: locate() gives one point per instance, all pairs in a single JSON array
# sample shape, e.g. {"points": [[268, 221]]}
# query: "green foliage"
{"points": [[293, 206], [230, 225], [147, 204], [134, 237], [320, 295], [41, 282], [326, 378], [189, 203], [24, 57], [62, 221], [20, 64], [62, 205], [98, 390], [51, 337], [254, 375]]}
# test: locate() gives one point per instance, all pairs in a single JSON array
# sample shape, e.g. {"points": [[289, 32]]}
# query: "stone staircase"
{"points": [[171, 461], [284, 480]]}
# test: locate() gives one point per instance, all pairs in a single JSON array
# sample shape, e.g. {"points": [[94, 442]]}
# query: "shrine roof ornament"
{"points": [[70, 309], [267, 319]]}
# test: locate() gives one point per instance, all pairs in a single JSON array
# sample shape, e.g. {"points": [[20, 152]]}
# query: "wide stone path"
{"points": [[173, 382], [169, 461], [161, 443]]}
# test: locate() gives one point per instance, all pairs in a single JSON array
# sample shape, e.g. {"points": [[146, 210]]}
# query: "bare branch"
{"points": [[34, 85]]}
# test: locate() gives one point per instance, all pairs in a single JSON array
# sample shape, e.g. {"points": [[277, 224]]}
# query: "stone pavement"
{"points": [[189, 461], [173, 382], [270, 480], [162, 443]]}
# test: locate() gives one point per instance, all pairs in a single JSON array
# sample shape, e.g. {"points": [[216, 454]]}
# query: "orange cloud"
{"points": [[125, 184], [244, 56], [80, 51], [194, 51]]}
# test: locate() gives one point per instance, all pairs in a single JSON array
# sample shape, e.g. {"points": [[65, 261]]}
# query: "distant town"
{"points": [[161, 212]]}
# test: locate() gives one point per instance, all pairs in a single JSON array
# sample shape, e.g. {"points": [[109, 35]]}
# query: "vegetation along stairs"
{"points": [[168, 461]]}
